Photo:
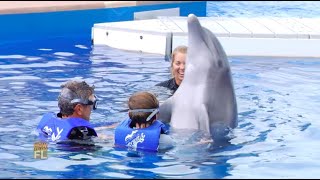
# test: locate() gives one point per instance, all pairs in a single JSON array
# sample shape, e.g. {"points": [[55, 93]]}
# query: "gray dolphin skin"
{"points": [[205, 100]]}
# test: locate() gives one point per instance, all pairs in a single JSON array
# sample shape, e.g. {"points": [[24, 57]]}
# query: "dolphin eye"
{"points": [[219, 63]]}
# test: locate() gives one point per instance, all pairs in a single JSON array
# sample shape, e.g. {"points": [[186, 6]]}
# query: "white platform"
{"points": [[282, 37]]}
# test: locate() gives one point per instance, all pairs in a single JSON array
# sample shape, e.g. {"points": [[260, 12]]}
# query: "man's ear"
{"points": [[78, 109]]}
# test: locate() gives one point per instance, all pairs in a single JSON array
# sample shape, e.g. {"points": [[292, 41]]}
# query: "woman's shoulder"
{"points": [[165, 83], [170, 84]]}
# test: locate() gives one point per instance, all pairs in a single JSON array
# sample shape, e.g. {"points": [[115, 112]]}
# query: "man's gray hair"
{"points": [[70, 91]]}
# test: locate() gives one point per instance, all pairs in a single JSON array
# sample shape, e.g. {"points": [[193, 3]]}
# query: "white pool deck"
{"points": [[261, 36]]}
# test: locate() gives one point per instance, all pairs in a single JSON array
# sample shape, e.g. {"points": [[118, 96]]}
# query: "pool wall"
{"points": [[78, 23]]}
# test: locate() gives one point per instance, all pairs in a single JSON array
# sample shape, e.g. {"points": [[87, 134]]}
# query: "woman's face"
{"points": [[178, 67]]}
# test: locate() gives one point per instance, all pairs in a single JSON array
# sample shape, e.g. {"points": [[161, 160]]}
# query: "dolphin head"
{"points": [[203, 43]]}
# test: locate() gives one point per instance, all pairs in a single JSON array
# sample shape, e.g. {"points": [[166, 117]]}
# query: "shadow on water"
{"points": [[76, 147]]}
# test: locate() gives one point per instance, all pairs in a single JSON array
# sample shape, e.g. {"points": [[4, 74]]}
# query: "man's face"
{"points": [[88, 108]]}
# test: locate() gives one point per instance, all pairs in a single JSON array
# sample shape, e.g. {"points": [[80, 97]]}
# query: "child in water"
{"points": [[142, 130]]}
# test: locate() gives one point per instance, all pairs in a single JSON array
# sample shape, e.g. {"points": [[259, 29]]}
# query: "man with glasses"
{"points": [[76, 101]]}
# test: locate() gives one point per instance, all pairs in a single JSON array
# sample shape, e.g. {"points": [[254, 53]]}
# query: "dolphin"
{"points": [[205, 100]]}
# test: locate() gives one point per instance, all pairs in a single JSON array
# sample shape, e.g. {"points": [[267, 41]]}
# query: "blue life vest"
{"points": [[57, 129], [145, 138]]}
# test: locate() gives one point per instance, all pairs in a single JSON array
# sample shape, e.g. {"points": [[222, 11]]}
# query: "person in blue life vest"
{"points": [[76, 101], [178, 61], [141, 130]]}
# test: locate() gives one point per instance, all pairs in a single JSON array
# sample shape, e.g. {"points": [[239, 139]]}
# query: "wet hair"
{"points": [[179, 49], [73, 90], [142, 100]]}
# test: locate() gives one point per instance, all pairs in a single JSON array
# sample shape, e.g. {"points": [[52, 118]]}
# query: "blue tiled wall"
{"points": [[21, 27]]}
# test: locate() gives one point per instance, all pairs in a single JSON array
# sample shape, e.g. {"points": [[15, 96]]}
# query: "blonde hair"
{"points": [[142, 100], [179, 49]]}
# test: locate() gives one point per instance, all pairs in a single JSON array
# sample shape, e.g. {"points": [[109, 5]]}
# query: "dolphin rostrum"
{"points": [[205, 100]]}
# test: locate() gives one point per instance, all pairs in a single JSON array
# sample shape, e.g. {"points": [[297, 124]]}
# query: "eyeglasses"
{"points": [[87, 102], [154, 112]]}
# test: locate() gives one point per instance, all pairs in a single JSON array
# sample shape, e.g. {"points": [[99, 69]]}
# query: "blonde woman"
{"points": [[178, 61]]}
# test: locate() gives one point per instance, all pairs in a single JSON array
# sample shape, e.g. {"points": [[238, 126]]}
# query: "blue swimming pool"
{"points": [[278, 98]]}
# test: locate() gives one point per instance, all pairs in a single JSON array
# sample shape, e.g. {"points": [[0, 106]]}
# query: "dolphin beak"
{"points": [[193, 23], [194, 27], [192, 17]]}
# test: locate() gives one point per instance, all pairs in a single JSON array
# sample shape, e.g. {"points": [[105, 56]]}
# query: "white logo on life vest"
{"points": [[47, 130], [132, 140], [129, 136], [54, 137]]}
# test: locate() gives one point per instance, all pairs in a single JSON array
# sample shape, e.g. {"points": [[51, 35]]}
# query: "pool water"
{"points": [[277, 135]]}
